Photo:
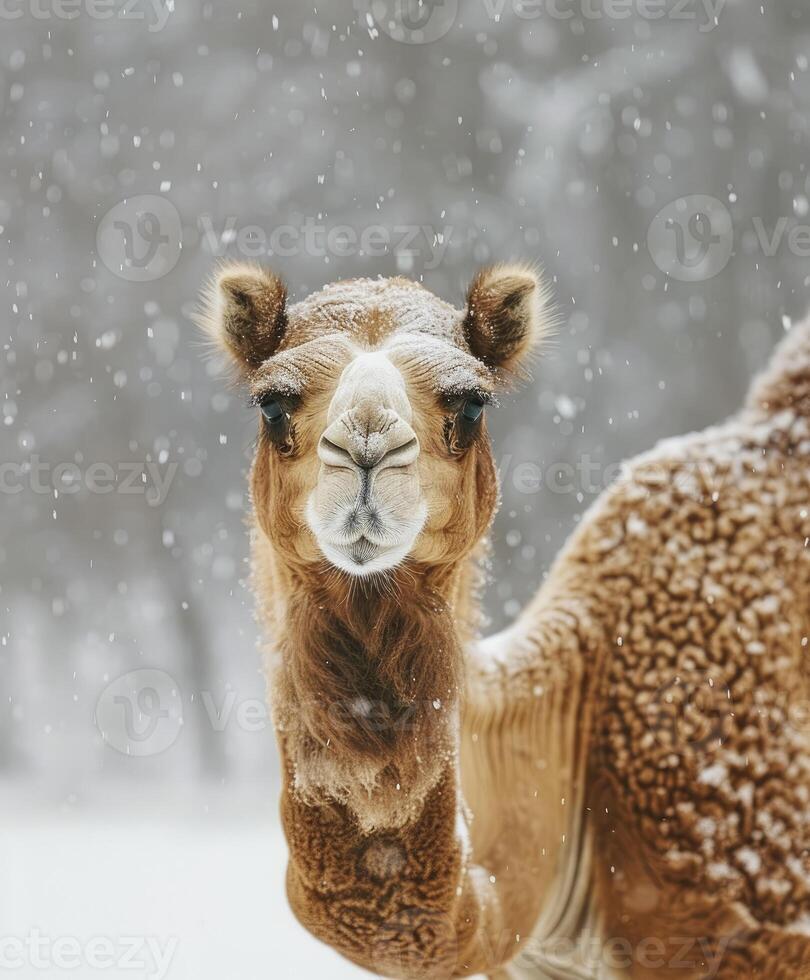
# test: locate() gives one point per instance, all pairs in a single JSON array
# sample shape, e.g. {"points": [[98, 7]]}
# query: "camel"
{"points": [[614, 786]]}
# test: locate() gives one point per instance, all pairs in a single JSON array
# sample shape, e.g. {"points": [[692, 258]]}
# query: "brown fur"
{"points": [[573, 775], [369, 683], [501, 301], [245, 309], [391, 644]]}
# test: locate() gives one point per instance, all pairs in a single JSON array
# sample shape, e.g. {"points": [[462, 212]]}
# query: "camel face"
{"points": [[372, 398], [402, 450], [367, 507]]}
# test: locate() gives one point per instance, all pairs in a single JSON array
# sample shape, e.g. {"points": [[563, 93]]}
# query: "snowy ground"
{"points": [[184, 889]]}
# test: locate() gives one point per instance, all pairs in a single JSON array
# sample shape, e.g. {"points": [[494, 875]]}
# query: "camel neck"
{"points": [[366, 693]]}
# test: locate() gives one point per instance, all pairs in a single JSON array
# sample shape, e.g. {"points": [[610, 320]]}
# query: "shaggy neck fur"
{"points": [[367, 688], [380, 706]]}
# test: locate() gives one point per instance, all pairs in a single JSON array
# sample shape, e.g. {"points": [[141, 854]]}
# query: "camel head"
{"points": [[372, 397], [373, 478]]}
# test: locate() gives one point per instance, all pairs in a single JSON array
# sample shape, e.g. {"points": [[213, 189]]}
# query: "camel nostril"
{"points": [[345, 447], [402, 455], [377, 454], [334, 455]]}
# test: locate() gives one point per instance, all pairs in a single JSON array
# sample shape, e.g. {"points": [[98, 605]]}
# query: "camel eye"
{"points": [[273, 412], [278, 426], [472, 410]]}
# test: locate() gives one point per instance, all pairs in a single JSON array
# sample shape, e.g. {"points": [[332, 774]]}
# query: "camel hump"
{"points": [[784, 385]]}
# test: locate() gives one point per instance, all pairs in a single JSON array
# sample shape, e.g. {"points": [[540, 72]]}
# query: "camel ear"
{"points": [[507, 315], [244, 312]]}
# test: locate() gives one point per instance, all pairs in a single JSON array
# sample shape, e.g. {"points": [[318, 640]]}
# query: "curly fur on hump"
{"points": [[628, 763], [700, 564]]}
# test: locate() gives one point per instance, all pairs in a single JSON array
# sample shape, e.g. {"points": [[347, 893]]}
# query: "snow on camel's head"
{"points": [[371, 394]]}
